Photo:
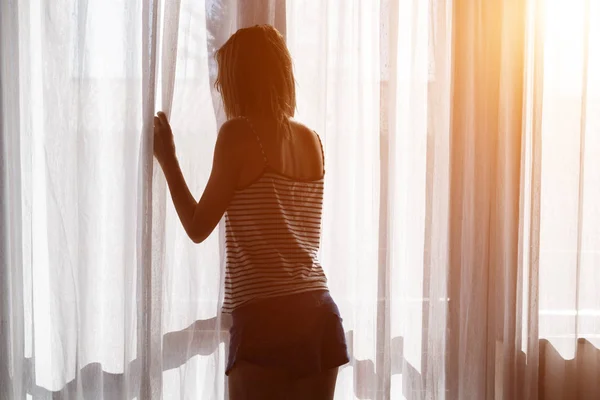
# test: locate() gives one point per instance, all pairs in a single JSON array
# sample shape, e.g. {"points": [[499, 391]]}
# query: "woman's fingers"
{"points": [[163, 118], [163, 137]]}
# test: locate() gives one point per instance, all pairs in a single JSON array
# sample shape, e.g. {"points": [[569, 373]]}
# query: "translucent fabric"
{"points": [[461, 233], [561, 185]]}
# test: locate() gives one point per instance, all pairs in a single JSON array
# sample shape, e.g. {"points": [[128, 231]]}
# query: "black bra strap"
{"points": [[262, 150]]}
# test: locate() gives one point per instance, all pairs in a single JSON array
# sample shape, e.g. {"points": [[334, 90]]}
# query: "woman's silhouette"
{"points": [[287, 339]]}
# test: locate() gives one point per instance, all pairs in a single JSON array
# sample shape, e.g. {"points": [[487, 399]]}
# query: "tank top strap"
{"points": [[322, 151], [262, 150]]}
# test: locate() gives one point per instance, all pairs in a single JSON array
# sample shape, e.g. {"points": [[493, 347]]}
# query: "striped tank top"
{"points": [[272, 236]]}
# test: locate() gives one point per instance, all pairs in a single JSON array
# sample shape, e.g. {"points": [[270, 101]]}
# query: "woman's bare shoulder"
{"points": [[304, 132], [237, 130]]}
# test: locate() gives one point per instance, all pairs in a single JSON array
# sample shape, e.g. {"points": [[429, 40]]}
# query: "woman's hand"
{"points": [[164, 146]]}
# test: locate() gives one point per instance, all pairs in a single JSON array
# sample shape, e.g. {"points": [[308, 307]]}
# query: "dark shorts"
{"points": [[300, 333]]}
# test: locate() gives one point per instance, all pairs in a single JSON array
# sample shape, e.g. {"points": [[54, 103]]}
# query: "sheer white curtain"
{"points": [[113, 312], [562, 193], [77, 163], [370, 77], [460, 222]]}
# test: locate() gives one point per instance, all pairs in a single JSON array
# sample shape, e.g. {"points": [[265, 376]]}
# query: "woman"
{"points": [[287, 339]]}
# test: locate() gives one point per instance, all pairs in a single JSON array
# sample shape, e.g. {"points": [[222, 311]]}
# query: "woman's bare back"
{"points": [[298, 156]]}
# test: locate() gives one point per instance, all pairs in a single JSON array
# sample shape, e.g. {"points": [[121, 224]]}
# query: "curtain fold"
{"points": [[150, 251], [13, 368], [484, 273]]}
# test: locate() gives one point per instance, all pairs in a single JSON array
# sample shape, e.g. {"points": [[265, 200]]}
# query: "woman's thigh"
{"points": [[320, 386], [249, 381]]}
